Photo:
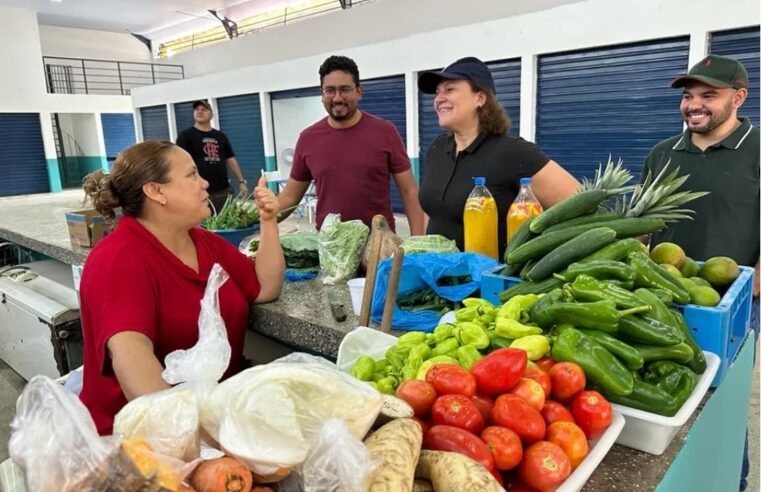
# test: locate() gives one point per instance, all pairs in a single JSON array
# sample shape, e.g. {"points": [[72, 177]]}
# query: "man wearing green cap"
{"points": [[720, 152]]}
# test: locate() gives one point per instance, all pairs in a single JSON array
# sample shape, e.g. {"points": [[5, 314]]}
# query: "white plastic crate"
{"points": [[652, 433]]}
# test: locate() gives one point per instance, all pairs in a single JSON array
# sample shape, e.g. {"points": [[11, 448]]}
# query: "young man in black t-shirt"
{"points": [[213, 155]]}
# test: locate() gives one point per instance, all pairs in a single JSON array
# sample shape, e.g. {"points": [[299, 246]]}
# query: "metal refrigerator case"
{"points": [[40, 328]]}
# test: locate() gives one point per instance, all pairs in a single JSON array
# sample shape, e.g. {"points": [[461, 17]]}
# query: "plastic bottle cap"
{"points": [[525, 181], [479, 181]]}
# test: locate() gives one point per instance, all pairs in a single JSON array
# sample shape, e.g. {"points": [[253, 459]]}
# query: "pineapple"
{"points": [[612, 180]]}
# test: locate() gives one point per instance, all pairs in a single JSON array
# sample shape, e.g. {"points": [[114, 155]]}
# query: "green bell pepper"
{"points": [[536, 346], [599, 365], [586, 288], [647, 331], [363, 368], [698, 362], [598, 315], [675, 379], [647, 397], [442, 332], [601, 270], [468, 355], [649, 274], [439, 359], [472, 334], [444, 347], [680, 352], [631, 358], [510, 328]]}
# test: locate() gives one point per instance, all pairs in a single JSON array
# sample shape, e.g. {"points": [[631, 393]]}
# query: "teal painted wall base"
{"points": [[270, 164], [415, 163], [54, 175], [91, 163], [711, 458]]}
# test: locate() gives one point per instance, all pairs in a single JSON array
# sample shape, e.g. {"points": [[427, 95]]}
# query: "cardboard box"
{"points": [[87, 227]]}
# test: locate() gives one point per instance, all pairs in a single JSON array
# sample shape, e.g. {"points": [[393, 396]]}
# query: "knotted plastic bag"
{"points": [[338, 462], [169, 420], [340, 248]]}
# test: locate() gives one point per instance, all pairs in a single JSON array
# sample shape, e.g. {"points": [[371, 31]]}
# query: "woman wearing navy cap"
{"points": [[478, 145]]}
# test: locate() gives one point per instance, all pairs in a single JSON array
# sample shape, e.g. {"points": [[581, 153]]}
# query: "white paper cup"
{"points": [[356, 289]]}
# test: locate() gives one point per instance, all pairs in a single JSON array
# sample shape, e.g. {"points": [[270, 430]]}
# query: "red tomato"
{"points": [[448, 438], [544, 467], [546, 363], [484, 405], [499, 371], [423, 424], [418, 394], [540, 376], [567, 380], [553, 411], [458, 411], [514, 413], [592, 413], [531, 391], [571, 440], [448, 379], [505, 447]]}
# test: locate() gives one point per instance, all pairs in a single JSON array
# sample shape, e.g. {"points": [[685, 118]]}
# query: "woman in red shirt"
{"points": [[142, 284]]}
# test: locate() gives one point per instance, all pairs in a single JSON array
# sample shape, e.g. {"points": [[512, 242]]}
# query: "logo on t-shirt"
{"points": [[211, 149]]}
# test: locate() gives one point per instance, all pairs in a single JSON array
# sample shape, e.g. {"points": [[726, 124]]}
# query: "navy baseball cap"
{"points": [[470, 68]]}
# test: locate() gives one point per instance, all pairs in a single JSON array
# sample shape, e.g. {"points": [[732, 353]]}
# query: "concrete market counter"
{"points": [[704, 456]]}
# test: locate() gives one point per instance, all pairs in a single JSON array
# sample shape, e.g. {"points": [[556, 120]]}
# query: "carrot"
{"points": [[224, 474]]}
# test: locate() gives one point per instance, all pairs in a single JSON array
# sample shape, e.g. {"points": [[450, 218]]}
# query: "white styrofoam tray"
{"points": [[652, 433]]}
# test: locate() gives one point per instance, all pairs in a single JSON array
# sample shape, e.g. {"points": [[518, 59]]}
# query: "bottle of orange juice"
{"points": [[523, 208], [480, 220]]}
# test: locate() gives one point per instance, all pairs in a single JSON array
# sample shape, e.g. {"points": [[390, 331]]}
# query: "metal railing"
{"points": [[89, 76], [253, 24]]}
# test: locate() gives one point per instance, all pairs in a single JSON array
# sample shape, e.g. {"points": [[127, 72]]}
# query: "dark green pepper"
{"points": [[680, 352], [698, 362], [647, 397], [658, 310], [647, 331], [675, 379], [586, 288], [498, 342], [631, 358], [599, 365], [599, 315], [601, 270], [540, 310], [665, 296], [649, 274]]}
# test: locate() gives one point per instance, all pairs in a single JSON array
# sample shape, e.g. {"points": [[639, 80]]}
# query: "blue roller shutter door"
{"points": [[743, 44], [154, 123], [240, 119], [183, 116], [507, 81], [385, 98], [118, 133], [614, 100], [22, 162]]}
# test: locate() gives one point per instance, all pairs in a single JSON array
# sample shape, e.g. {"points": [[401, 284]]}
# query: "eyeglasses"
{"points": [[344, 90]]}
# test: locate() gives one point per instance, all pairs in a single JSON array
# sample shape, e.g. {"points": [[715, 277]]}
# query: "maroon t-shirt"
{"points": [[351, 167], [132, 282]]}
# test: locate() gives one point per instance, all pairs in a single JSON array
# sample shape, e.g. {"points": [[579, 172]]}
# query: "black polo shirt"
{"points": [[726, 222], [448, 179]]}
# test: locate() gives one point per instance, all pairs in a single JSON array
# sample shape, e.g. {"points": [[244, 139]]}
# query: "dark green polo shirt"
{"points": [[726, 222]]}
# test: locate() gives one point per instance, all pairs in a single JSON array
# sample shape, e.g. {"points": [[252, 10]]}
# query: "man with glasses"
{"points": [[351, 155]]}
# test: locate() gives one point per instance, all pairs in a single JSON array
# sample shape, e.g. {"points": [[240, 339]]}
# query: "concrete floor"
{"points": [[11, 385]]}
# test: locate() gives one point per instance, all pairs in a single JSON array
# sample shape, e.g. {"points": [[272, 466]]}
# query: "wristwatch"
{"points": [[243, 181]]}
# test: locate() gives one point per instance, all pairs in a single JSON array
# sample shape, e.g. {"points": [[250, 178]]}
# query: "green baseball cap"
{"points": [[717, 71]]}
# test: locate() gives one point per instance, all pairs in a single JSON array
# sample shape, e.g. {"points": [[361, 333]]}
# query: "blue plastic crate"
{"points": [[720, 329], [235, 236]]}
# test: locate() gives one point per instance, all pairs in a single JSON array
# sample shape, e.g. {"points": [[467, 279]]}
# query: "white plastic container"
{"points": [[357, 291], [597, 451], [652, 433]]}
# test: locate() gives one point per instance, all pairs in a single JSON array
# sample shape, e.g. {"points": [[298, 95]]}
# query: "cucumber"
{"points": [[527, 268], [575, 249], [616, 251], [524, 288], [520, 237], [595, 218], [575, 205], [633, 226]]}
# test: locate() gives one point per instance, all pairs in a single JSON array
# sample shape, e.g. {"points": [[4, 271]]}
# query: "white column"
{"points": [[172, 122], [51, 156], [699, 44], [528, 97], [214, 111], [101, 140], [138, 125], [268, 131], [413, 133]]}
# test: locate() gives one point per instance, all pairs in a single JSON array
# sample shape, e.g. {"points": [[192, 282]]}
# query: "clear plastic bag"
{"points": [[430, 243], [269, 417], [339, 462], [53, 438], [196, 371], [340, 248]]}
